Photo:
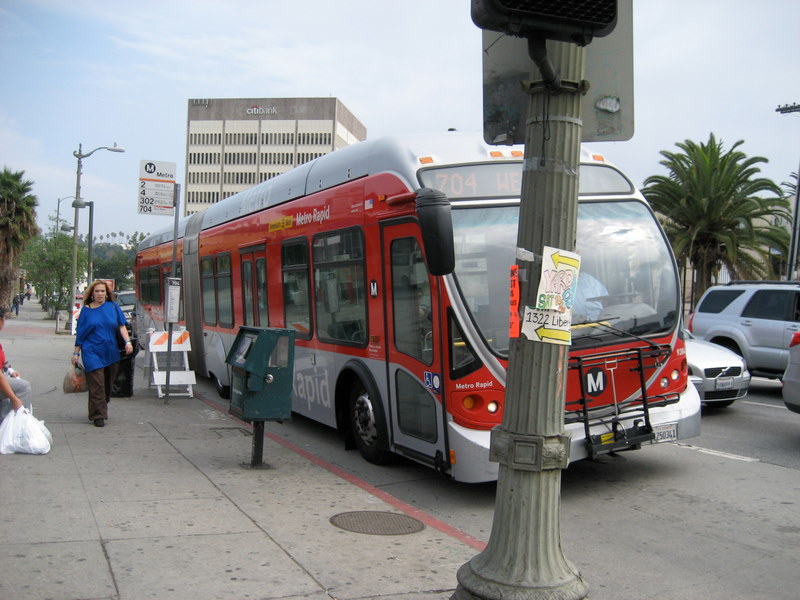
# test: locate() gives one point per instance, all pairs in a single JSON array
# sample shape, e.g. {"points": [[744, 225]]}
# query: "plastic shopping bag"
{"points": [[21, 432], [74, 380]]}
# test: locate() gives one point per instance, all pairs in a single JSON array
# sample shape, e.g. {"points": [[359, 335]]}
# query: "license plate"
{"points": [[665, 433], [724, 383]]}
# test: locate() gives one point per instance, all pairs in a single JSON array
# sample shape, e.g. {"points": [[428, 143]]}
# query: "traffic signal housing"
{"points": [[576, 21]]}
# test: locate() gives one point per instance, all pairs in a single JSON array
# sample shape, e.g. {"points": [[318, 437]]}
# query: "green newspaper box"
{"points": [[262, 367]]}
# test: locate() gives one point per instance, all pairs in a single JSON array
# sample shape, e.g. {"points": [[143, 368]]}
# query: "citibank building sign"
{"points": [[262, 110]]}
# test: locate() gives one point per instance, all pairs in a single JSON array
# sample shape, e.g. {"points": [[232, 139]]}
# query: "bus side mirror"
{"points": [[433, 211]]}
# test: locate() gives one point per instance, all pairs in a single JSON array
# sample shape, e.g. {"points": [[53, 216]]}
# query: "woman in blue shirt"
{"points": [[96, 343]]}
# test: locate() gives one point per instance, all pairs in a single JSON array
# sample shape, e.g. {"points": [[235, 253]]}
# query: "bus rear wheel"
{"points": [[223, 390], [367, 426]]}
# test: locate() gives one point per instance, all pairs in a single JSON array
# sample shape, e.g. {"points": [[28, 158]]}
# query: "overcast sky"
{"points": [[97, 72]]}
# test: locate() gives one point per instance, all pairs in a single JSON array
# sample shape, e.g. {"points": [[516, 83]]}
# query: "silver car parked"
{"points": [[755, 319], [720, 376], [791, 378]]}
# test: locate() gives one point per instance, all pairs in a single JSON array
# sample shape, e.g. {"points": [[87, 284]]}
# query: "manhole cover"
{"points": [[377, 523]]}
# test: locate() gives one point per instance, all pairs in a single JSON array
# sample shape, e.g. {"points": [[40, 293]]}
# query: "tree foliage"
{"points": [[112, 261], [48, 262], [717, 212], [17, 227]]}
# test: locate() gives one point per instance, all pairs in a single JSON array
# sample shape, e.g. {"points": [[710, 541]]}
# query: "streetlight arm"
{"points": [[77, 153]]}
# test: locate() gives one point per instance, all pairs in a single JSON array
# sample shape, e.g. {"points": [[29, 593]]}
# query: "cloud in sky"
{"points": [[96, 73]]}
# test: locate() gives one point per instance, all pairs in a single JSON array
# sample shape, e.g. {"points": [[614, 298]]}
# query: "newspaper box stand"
{"points": [[262, 366]]}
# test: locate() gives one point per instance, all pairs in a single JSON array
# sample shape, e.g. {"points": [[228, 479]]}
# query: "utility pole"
{"points": [[523, 559], [791, 266]]}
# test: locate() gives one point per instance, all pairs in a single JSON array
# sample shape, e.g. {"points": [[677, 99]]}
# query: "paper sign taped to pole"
{"points": [[551, 319]]}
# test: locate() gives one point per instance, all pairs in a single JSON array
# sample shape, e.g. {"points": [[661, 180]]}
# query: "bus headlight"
{"points": [[492, 407]]}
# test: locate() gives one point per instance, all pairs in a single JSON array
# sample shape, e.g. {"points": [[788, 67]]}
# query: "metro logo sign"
{"points": [[156, 187]]}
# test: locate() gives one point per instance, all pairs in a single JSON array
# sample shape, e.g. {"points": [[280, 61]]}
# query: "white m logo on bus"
{"points": [[595, 381]]}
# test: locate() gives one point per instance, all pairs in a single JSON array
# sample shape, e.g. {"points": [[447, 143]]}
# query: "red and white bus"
{"points": [[395, 348]]}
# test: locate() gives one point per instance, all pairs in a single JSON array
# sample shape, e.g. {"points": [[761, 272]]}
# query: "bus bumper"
{"points": [[470, 447], [671, 423]]}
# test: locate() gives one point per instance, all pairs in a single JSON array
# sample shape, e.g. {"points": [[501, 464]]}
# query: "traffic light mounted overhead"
{"points": [[576, 21]]}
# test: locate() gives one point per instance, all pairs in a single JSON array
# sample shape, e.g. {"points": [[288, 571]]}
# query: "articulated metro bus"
{"points": [[390, 259]]}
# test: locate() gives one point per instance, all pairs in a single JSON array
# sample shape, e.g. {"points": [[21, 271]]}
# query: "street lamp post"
{"points": [[90, 241], [58, 212], [78, 204]]}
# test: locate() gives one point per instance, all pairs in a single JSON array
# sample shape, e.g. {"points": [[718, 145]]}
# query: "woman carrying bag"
{"points": [[99, 322]]}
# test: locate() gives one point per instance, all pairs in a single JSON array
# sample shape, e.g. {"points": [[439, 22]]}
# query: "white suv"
{"points": [[755, 319]]}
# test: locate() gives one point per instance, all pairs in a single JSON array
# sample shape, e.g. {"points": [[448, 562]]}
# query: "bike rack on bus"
{"points": [[635, 412]]}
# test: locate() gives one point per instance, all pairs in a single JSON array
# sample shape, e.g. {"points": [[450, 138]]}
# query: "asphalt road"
{"points": [[715, 517], [759, 426]]}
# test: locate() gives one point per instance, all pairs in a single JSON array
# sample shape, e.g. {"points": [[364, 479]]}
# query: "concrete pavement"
{"points": [[160, 503]]}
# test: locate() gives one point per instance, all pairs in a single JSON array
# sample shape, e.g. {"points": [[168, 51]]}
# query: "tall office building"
{"points": [[234, 144]]}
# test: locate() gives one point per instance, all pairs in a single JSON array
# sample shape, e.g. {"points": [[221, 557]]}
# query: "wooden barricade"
{"points": [[181, 378]]}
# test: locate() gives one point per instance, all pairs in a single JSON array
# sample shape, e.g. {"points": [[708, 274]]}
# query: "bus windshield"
{"points": [[627, 284]]}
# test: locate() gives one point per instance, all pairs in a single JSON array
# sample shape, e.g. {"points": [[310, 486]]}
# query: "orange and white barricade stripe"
{"points": [[180, 341]]}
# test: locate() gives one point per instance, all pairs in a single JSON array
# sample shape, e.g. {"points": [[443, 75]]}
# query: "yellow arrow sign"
{"points": [[553, 335], [559, 260]]}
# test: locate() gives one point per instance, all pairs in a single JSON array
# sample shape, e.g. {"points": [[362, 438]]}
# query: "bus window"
{"points": [[150, 286], [207, 287], [247, 292], [416, 408], [296, 304], [224, 290], [261, 291], [463, 359], [411, 301], [341, 300]]}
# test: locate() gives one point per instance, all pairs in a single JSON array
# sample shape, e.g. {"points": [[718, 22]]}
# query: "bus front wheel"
{"points": [[367, 425]]}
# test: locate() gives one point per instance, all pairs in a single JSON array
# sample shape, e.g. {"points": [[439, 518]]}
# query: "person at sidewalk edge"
{"points": [[96, 344], [15, 392]]}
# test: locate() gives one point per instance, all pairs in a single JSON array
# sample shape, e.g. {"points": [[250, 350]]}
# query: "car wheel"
{"points": [[730, 345]]}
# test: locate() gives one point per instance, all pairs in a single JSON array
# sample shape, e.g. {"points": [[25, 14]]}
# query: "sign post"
{"points": [[159, 194]]}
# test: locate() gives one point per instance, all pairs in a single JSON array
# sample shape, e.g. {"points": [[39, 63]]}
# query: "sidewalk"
{"points": [[159, 504]]}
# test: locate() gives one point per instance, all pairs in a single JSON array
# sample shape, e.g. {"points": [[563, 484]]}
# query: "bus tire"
{"points": [[224, 391], [367, 424]]}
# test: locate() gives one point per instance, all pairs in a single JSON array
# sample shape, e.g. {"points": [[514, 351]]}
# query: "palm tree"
{"points": [[718, 213], [17, 226]]}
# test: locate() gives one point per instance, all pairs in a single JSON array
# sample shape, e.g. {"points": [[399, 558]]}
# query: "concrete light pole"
{"points": [[523, 559], [78, 204]]}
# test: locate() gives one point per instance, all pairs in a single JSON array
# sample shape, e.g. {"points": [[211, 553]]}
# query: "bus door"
{"points": [[413, 353], [253, 265]]}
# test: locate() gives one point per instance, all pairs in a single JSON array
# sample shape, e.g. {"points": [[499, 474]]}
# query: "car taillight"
{"points": [[690, 323], [795, 339]]}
